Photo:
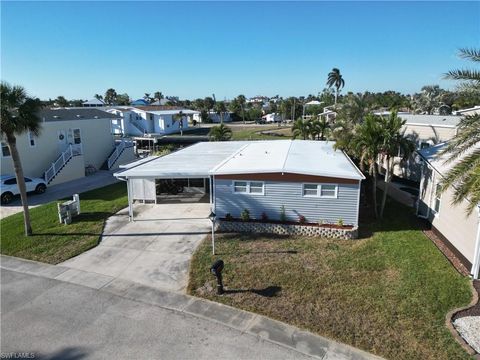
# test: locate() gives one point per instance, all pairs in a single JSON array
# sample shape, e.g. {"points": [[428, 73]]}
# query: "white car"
{"points": [[9, 188]]}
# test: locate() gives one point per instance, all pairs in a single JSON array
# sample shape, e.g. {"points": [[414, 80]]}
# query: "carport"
{"points": [[178, 176]]}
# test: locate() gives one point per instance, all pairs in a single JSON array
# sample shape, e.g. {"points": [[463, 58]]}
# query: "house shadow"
{"points": [[67, 353], [270, 291]]}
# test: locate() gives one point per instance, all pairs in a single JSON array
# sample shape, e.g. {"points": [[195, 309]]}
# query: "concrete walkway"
{"points": [[56, 311], [99, 179], [154, 250]]}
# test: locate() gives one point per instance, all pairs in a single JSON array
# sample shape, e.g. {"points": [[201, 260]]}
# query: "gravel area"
{"points": [[469, 328]]}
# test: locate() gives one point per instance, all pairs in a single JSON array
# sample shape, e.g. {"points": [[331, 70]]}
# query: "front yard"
{"points": [[53, 242], [387, 293]]}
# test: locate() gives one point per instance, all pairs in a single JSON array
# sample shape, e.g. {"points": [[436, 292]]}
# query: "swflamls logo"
{"points": [[17, 355]]}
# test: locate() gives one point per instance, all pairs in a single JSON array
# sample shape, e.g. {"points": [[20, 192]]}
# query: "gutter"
{"points": [[476, 257]]}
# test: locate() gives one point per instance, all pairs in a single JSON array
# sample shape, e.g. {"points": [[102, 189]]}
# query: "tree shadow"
{"points": [[67, 353], [270, 291]]}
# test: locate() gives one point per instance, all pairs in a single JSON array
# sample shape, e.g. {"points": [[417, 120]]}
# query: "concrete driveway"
{"points": [[154, 250]]}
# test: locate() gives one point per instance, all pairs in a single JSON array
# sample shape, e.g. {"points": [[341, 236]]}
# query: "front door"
{"points": [[62, 140], [77, 142]]}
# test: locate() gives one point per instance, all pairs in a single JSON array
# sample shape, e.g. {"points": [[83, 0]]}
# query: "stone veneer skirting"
{"points": [[287, 229]]}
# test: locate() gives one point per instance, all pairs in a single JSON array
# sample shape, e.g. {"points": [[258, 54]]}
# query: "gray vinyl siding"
{"points": [[289, 194]]}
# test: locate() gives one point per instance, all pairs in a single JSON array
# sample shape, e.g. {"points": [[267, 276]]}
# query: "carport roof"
{"points": [[246, 157]]}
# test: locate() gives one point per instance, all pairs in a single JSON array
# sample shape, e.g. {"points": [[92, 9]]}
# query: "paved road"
{"points": [[59, 320], [99, 179], [155, 250]]}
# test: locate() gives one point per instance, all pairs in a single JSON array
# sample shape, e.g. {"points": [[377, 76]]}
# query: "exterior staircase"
{"points": [[115, 155], [57, 166]]}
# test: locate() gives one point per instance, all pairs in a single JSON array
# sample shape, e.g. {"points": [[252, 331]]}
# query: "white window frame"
{"points": [[436, 197], [248, 191], [32, 137], [319, 190]]}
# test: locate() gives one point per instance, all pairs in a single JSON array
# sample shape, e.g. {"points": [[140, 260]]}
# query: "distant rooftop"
{"points": [[68, 114], [442, 120]]}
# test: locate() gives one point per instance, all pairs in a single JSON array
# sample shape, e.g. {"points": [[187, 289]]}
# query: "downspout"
{"points": [[476, 257]]}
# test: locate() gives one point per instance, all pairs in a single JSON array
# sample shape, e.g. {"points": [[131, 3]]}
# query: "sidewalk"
{"points": [[99, 179], [261, 327]]}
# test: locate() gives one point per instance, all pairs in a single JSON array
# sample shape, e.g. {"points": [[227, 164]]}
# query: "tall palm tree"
{"points": [[336, 80], [241, 101], [220, 109], [301, 128], [18, 115], [395, 144], [464, 147], [220, 133], [367, 144]]}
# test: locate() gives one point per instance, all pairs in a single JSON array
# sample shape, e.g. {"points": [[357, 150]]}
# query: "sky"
{"points": [[196, 49]]}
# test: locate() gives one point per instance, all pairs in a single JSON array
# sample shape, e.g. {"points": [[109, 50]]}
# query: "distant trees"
{"points": [[220, 109], [123, 99], [220, 133], [301, 129], [336, 80], [158, 95], [60, 101], [18, 115], [110, 97]]}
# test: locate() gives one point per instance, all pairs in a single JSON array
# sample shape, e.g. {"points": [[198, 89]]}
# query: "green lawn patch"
{"points": [[387, 293], [254, 132], [53, 242]]}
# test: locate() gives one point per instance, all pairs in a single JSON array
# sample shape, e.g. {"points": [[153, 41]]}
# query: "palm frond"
{"points": [[470, 54]]}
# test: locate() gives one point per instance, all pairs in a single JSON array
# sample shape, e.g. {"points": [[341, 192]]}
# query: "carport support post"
{"points": [[213, 236], [130, 205]]}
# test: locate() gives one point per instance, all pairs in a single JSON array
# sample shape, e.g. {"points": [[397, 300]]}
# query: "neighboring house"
{"points": [[160, 102], [214, 117], [273, 117], [93, 103], [142, 121], [70, 141], [471, 111], [425, 131], [457, 230], [140, 102], [306, 178]]}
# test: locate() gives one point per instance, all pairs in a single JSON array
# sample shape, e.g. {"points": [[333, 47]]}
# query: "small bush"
{"points": [[283, 216], [321, 222], [302, 219], [340, 222], [245, 215], [194, 122], [264, 216], [228, 217]]}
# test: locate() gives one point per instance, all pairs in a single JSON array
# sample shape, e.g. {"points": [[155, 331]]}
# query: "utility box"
{"points": [[68, 209]]}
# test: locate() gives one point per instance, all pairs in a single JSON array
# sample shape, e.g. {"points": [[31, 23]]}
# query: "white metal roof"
{"points": [[244, 157], [438, 162], [173, 112], [435, 120]]}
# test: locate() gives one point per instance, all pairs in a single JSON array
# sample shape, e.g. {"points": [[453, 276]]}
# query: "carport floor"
{"points": [[154, 250]]}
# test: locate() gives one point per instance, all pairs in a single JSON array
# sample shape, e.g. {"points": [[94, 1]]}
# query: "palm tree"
{"points": [[241, 101], [464, 148], [367, 143], [319, 128], [395, 144], [18, 115], [301, 128], [220, 109], [220, 133], [335, 79]]}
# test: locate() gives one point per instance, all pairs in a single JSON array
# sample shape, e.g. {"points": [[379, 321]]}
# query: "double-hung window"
{"points": [[5, 150], [31, 139], [249, 187], [436, 199], [320, 190]]}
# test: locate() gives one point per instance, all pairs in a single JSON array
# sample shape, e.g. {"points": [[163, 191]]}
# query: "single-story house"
{"points": [[141, 121], [214, 117], [70, 140], [457, 230], [297, 178], [94, 103], [467, 112], [273, 117]]}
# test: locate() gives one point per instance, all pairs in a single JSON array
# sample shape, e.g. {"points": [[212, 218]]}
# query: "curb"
{"points": [[245, 322], [454, 332]]}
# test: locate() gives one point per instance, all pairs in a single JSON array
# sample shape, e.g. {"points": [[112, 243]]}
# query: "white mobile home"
{"points": [[214, 117], [457, 230], [70, 140], [300, 178]]}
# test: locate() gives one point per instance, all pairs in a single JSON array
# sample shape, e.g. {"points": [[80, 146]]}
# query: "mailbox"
{"points": [[216, 270]]}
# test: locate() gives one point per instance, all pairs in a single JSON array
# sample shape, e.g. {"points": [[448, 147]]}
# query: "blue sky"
{"points": [[194, 49]]}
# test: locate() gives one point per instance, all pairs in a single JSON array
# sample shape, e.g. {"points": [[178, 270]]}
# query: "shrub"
{"points": [[283, 216], [245, 215], [228, 217], [194, 122], [321, 222], [264, 216], [340, 222], [302, 219]]}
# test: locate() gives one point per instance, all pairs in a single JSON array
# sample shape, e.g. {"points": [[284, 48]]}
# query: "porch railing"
{"points": [[58, 164]]}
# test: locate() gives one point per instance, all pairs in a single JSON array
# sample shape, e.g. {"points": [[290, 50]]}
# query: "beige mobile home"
{"points": [[71, 140], [459, 231]]}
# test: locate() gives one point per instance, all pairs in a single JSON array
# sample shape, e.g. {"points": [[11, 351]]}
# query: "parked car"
{"points": [[9, 188]]}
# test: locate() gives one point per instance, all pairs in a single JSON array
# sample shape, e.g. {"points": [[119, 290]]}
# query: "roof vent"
{"points": [[95, 117], [79, 116], [56, 117]]}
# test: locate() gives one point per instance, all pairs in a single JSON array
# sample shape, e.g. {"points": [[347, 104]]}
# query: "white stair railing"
{"points": [[138, 126], [58, 164], [116, 154]]}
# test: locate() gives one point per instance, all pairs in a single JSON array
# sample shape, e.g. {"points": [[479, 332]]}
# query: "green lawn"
{"points": [[53, 242], [254, 132], [387, 293]]}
